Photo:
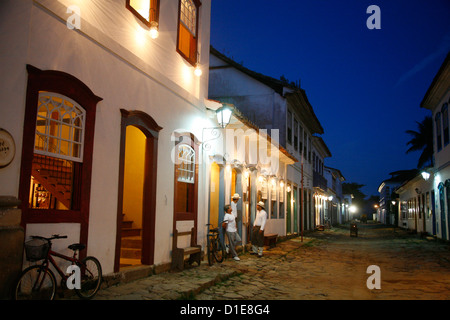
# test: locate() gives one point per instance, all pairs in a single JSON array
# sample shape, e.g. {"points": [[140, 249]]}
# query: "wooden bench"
{"points": [[194, 251], [270, 239]]}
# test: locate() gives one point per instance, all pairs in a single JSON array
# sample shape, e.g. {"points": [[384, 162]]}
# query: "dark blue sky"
{"points": [[364, 85]]}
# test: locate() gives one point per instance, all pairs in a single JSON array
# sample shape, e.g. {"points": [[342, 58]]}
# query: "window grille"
{"points": [[186, 161], [189, 15], [59, 127]]}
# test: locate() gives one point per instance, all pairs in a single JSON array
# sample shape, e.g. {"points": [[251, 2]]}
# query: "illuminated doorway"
{"points": [[135, 238]]}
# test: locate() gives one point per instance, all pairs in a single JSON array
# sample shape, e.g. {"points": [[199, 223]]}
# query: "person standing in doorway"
{"points": [[229, 224], [258, 229], [234, 202]]}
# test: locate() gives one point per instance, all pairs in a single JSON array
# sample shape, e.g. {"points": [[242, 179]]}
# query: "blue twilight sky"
{"points": [[365, 85]]}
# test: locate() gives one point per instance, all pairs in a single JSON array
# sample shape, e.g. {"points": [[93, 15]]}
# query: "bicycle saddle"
{"points": [[77, 246]]}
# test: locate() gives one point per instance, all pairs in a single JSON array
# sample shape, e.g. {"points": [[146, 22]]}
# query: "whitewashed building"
{"points": [[437, 100], [105, 113], [280, 107]]}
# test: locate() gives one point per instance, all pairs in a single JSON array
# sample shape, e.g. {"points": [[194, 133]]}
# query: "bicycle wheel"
{"points": [[219, 250], [91, 278], [36, 283], [209, 251]]}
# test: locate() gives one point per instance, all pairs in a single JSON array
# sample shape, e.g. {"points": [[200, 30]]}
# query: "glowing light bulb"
{"points": [[154, 32], [198, 71]]}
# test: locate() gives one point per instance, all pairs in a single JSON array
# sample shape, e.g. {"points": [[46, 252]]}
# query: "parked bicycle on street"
{"points": [[38, 281], [215, 247]]}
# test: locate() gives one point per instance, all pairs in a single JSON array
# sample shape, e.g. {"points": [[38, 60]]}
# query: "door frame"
{"points": [[150, 129]]}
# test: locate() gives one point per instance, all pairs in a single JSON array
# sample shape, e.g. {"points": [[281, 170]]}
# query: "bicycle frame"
{"points": [[50, 259]]}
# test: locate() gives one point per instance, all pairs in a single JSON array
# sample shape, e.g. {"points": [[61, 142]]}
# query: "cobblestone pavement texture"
{"points": [[327, 265]]}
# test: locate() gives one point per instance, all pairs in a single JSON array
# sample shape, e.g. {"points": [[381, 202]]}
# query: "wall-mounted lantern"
{"points": [[224, 116]]}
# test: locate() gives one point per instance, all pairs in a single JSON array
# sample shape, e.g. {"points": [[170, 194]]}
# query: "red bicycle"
{"points": [[38, 282]]}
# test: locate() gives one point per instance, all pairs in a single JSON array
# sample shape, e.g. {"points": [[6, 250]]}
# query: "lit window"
{"points": [[145, 10], [186, 161], [59, 127], [187, 30], [186, 178]]}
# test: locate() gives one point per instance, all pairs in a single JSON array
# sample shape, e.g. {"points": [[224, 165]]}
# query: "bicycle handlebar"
{"points": [[55, 236]]}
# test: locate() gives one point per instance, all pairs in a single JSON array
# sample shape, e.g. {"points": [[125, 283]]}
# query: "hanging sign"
{"points": [[7, 148]]}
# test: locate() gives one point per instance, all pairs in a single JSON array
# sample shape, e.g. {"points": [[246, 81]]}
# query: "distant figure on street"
{"points": [[229, 224], [258, 229]]}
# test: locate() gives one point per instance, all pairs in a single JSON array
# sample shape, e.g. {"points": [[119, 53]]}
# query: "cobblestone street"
{"points": [[327, 265]]}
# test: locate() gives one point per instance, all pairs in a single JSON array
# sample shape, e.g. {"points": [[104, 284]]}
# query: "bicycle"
{"points": [[38, 281], [215, 247]]}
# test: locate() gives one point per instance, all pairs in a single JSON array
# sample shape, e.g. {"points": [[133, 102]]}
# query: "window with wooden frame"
{"points": [[145, 10], [58, 152], [186, 178], [57, 149], [187, 42]]}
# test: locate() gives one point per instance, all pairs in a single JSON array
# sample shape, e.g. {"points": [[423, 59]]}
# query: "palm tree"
{"points": [[422, 140]]}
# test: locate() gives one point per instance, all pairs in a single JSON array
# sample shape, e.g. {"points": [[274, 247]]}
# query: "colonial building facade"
{"points": [[437, 100], [422, 202], [90, 90], [283, 110]]}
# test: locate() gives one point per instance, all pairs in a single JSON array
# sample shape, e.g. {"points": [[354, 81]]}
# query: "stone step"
{"points": [[130, 253], [127, 224], [131, 242], [131, 232]]}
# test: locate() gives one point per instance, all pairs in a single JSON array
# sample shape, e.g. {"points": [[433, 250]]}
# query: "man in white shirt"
{"points": [[234, 202], [231, 231], [258, 229]]}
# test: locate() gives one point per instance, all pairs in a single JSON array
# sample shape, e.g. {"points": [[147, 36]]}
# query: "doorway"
{"points": [[135, 238], [133, 194]]}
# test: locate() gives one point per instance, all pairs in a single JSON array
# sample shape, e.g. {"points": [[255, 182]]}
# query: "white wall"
{"points": [[127, 72]]}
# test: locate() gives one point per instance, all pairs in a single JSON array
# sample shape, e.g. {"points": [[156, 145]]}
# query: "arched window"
{"points": [[186, 178], [186, 162], [59, 127], [57, 148]]}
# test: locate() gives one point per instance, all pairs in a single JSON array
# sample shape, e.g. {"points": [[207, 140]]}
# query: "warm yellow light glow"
{"points": [[281, 184], [141, 36], [352, 209], [154, 32], [198, 71], [142, 7]]}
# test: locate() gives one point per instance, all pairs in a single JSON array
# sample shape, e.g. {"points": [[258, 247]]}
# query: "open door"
{"points": [[135, 239]]}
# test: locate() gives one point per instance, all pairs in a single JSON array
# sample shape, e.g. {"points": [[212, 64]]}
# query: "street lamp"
{"points": [[224, 116], [425, 175]]}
